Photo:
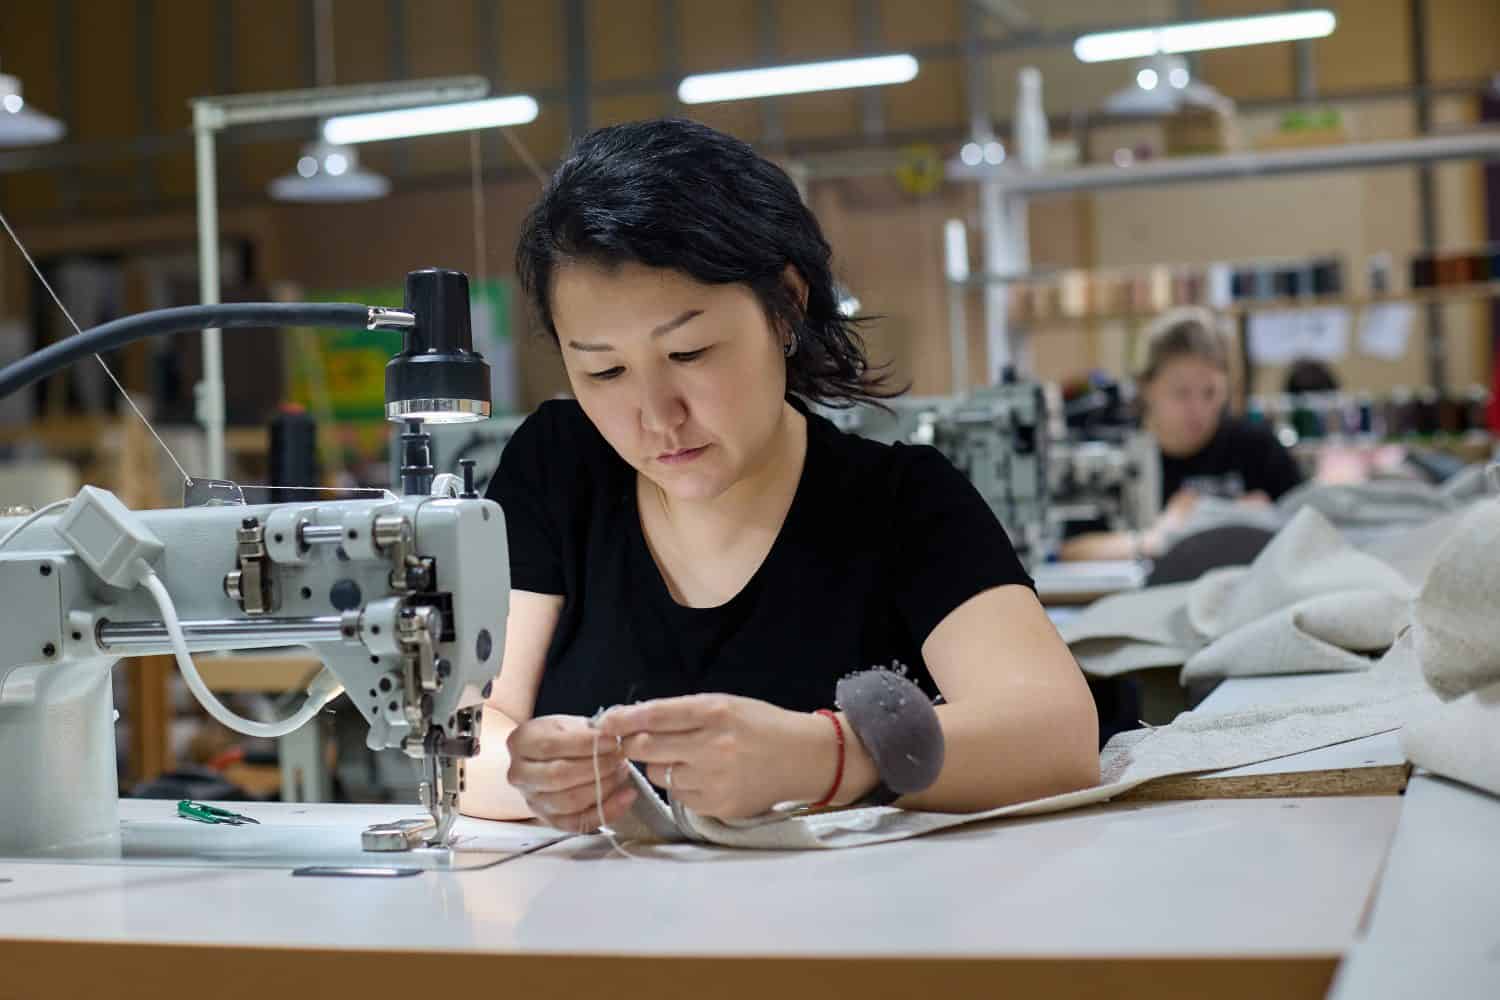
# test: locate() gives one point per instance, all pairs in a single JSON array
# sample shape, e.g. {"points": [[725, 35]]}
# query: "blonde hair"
{"points": [[1188, 332]]}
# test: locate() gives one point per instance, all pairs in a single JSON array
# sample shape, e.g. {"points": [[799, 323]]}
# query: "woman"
{"points": [[694, 550], [1184, 389]]}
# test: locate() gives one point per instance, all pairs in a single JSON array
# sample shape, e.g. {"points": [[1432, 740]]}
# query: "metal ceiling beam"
{"points": [[1009, 13], [772, 124], [871, 99], [579, 89]]}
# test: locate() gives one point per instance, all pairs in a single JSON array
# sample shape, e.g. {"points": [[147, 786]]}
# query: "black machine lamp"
{"points": [[437, 377]]}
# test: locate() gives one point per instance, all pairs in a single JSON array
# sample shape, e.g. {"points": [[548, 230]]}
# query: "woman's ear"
{"points": [[797, 284]]}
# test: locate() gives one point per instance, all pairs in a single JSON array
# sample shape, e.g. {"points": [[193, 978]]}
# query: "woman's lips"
{"points": [[681, 456]]}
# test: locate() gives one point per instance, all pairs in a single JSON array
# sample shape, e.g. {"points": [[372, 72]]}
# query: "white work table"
{"points": [[1435, 928], [1234, 897], [1228, 898]]}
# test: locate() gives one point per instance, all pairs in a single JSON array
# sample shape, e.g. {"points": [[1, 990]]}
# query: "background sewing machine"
{"points": [[1038, 470], [404, 598]]}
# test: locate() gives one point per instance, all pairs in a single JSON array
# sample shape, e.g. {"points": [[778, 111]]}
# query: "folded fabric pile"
{"points": [[1310, 603], [1457, 640], [1367, 513]]}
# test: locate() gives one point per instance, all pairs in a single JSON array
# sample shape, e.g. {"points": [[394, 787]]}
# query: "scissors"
{"points": [[202, 812]]}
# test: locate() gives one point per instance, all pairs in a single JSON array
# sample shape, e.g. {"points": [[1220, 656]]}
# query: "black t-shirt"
{"points": [[881, 542], [1239, 459]]}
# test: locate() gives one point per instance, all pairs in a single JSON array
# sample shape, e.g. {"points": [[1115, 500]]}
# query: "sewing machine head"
{"points": [[403, 599]]}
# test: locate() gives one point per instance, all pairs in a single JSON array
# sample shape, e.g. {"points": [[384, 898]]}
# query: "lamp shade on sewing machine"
{"points": [[438, 377]]}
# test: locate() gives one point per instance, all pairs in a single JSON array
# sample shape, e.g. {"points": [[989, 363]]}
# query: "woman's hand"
{"points": [[1170, 523], [726, 756], [552, 766]]}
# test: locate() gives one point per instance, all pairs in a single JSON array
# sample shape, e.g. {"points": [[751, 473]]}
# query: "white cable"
{"points": [[32, 518], [324, 688]]}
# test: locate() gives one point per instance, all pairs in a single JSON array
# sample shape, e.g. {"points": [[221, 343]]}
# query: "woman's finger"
{"points": [[586, 820], [683, 777], [663, 748], [560, 775], [666, 715], [558, 737], [580, 797]]}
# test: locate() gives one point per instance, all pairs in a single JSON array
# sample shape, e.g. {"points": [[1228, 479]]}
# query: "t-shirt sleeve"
{"points": [[525, 491], [1279, 473], [950, 546]]}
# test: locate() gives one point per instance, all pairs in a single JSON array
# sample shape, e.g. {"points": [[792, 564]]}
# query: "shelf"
{"points": [[84, 434], [1237, 166], [1451, 294]]}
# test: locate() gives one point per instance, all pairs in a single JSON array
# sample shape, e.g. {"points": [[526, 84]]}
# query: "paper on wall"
{"points": [[1385, 328], [1285, 335]]}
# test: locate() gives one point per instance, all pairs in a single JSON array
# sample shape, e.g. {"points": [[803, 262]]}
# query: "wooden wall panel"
{"points": [[719, 34], [624, 39], [933, 22], [105, 104], [808, 31], [614, 110], [270, 53], [1371, 47], [1464, 39], [1259, 72], [741, 119], [440, 40], [934, 100], [186, 66], [533, 55]]}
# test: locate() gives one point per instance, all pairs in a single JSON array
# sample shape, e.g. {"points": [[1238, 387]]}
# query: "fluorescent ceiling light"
{"points": [[431, 120], [1197, 36], [841, 74]]}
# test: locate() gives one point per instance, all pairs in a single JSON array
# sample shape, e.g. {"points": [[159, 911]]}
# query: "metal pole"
{"points": [[221, 633], [1437, 346], [956, 265], [1002, 215], [210, 391], [576, 31]]}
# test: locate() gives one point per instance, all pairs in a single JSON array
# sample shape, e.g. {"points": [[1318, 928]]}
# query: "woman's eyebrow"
{"points": [[671, 325], [659, 331]]}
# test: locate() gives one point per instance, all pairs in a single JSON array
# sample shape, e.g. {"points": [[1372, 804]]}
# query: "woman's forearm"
{"points": [[1102, 545], [995, 756], [487, 793]]}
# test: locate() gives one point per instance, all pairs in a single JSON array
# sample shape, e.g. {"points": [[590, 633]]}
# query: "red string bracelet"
{"points": [[838, 775]]}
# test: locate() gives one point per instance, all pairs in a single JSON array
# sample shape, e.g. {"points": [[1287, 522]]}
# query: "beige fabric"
{"points": [[1460, 739], [1330, 633], [1458, 610], [1310, 603], [1308, 558]]}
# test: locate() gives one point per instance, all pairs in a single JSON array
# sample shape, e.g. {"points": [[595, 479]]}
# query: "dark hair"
{"points": [[1310, 375], [671, 193], [1189, 332]]}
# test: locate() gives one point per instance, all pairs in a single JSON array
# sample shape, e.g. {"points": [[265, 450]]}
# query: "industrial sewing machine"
{"points": [[1011, 442], [404, 598]]}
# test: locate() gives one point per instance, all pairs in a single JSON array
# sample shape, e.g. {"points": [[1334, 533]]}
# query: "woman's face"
{"points": [[686, 381], [1184, 403]]}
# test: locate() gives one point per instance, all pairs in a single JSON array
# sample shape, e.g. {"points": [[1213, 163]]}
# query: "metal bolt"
{"points": [[49, 650]]}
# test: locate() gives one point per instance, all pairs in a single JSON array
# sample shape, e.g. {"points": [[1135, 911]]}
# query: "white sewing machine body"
{"points": [[404, 600]]}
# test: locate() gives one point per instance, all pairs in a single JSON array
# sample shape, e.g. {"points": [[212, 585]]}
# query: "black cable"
{"points": [[184, 319]]}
